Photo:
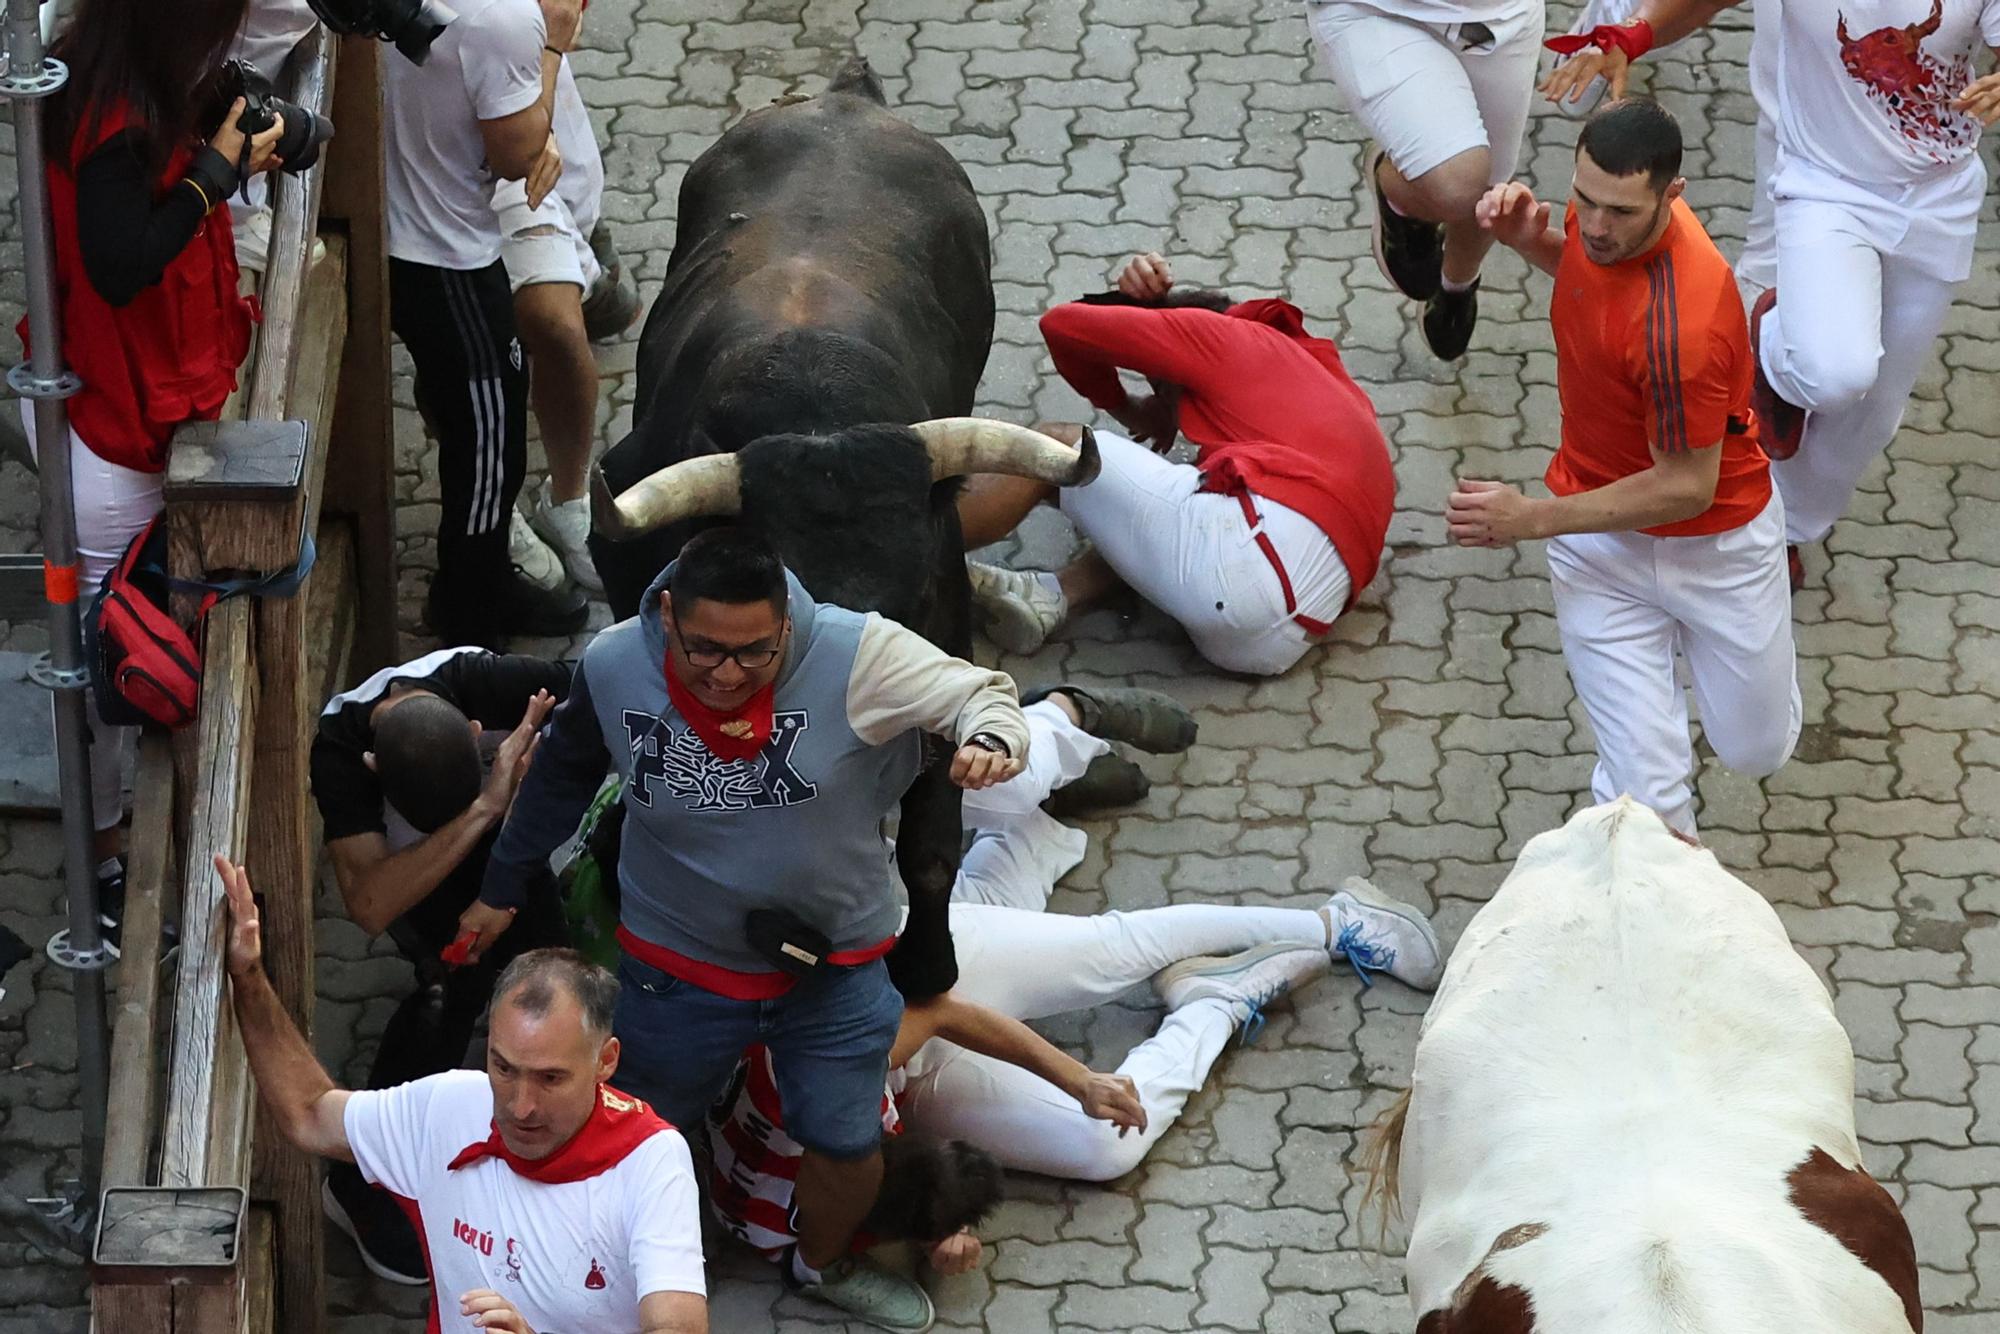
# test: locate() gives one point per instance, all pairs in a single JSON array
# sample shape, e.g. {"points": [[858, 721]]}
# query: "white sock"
{"points": [[1452, 285], [804, 1272]]}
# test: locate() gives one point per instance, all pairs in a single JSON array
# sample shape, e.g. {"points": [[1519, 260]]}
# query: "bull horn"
{"points": [[690, 489], [961, 445]]}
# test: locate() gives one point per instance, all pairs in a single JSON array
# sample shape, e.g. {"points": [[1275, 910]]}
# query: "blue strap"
{"points": [[276, 584]]}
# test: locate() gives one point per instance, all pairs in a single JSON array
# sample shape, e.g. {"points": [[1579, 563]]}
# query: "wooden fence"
{"points": [[236, 781]]}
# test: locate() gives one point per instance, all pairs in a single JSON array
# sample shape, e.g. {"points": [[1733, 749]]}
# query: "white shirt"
{"points": [[1873, 106], [487, 64], [574, 1258]]}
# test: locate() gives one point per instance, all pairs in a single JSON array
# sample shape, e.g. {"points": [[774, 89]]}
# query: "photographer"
{"points": [[146, 276], [479, 108]]}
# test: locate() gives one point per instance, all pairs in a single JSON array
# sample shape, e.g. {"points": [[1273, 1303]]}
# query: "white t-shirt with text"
{"points": [[487, 64], [574, 1258]]}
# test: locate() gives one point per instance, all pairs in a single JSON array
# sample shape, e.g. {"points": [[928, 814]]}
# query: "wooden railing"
{"points": [[235, 782]]}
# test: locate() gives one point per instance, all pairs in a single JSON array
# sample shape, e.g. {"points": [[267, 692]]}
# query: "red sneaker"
{"points": [[1795, 567], [1781, 425]]}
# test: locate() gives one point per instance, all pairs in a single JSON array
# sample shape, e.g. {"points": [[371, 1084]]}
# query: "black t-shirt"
{"points": [[491, 689]]}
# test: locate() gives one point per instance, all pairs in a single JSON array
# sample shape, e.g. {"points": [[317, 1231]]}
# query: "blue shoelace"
{"points": [[1364, 956]]}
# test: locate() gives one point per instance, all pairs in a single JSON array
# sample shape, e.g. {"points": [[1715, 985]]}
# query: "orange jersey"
{"points": [[1654, 353]]}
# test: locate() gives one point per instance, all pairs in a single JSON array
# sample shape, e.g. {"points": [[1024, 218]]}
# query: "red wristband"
{"points": [[1635, 39]]}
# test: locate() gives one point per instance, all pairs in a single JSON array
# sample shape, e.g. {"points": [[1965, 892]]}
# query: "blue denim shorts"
{"points": [[829, 1037]]}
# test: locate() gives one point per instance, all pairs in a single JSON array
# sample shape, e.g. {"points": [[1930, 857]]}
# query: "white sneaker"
{"points": [[1379, 934], [1023, 607], [531, 556], [566, 528], [1247, 980], [252, 231]]}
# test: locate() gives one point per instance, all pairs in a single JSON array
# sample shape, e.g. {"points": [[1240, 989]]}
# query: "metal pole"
{"points": [[31, 77]]}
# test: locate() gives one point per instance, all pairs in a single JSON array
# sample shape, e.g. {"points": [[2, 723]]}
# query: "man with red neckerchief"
{"points": [[546, 1201]]}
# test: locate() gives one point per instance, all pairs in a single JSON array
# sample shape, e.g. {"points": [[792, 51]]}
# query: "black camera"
{"points": [[411, 24], [299, 145]]}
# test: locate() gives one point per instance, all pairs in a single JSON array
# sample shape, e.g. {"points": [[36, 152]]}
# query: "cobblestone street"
{"points": [[1422, 748]]}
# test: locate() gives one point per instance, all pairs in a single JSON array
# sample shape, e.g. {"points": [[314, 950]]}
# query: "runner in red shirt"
{"points": [[1260, 543], [1664, 533]]}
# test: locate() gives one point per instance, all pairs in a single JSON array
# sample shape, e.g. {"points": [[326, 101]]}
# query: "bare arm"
{"points": [[1671, 20], [673, 1313], [1678, 486], [302, 1098], [515, 143], [976, 1028]]}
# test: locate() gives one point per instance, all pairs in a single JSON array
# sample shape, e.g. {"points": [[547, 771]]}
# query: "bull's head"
{"points": [[855, 513]]}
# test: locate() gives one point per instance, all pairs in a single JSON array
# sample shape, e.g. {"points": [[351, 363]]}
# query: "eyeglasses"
{"points": [[750, 657]]}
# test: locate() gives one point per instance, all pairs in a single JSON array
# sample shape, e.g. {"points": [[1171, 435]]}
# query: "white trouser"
{"points": [[113, 505], [1861, 300], [1031, 965], [1626, 601], [1192, 554], [1018, 850], [1421, 92]]}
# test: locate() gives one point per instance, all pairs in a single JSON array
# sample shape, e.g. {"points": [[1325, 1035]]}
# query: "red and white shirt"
{"points": [[616, 1220], [755, 1164]]}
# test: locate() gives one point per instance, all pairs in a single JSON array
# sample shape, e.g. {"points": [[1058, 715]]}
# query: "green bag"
{"points": [[590, 899]]}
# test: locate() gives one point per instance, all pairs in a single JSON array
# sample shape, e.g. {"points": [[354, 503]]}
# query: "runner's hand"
{"points": [[516, 753], [1981, 99], [489, 1310], [1572, 76], [1489, 514], [1113, 1098], [485, 924], [1146, 277], [1513, 215], [957, 1254], [975, 767], [1152, 420], [542, 177], [246, 932]]}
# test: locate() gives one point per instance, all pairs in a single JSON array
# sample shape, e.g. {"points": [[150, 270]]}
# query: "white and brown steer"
{"points": [[1633, 1113]]}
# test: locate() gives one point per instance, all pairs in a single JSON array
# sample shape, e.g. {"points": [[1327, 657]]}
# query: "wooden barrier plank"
{"points": [[205, 1053], [361, 478], [128, 1136]]}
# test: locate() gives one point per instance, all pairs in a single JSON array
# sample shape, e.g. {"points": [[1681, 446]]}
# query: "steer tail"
{"points": [[1382, 1164], [857, 76]]}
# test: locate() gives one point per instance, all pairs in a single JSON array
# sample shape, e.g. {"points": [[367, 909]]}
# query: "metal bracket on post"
{"points": [[23, 381], [80, 961], [26, 87], [47, 675]]}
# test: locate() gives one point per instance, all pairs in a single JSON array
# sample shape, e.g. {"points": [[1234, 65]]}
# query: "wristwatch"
{"points": [[987, 741]]}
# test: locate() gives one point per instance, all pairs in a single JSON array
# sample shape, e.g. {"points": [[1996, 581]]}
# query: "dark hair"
{"points": [[1631, 135], [1201, 298], [427, 761], [158, 58], [529, 983], [932, 1188], [728, 564]]}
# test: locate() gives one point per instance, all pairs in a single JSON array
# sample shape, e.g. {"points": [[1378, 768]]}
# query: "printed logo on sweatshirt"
{"points": [[691, 773]]}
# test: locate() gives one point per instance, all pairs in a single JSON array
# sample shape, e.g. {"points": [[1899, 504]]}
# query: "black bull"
{"points": [[831, 270]]}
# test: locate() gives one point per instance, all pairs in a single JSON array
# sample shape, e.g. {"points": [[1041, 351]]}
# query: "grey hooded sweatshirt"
{"points": [[800, 826]]}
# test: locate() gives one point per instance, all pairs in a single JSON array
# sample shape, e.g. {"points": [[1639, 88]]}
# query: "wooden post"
{"points": [[361, 476]]}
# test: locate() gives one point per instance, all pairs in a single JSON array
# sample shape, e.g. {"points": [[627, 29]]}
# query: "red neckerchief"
{"points": [[616, 1126], [1287, 319], [728, 736]]}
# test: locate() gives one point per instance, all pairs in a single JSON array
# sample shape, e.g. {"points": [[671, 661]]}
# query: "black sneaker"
{"points": [[1107, 782], [502, 609], [377, 1226], [1448, 320], [111, 906], [1410, 250]]}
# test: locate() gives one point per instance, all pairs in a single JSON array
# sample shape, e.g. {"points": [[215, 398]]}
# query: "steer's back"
{"points": [[1627, 1053]]}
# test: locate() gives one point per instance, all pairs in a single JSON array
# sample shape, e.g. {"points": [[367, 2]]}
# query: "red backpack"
{"points": [[144, 666]]}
